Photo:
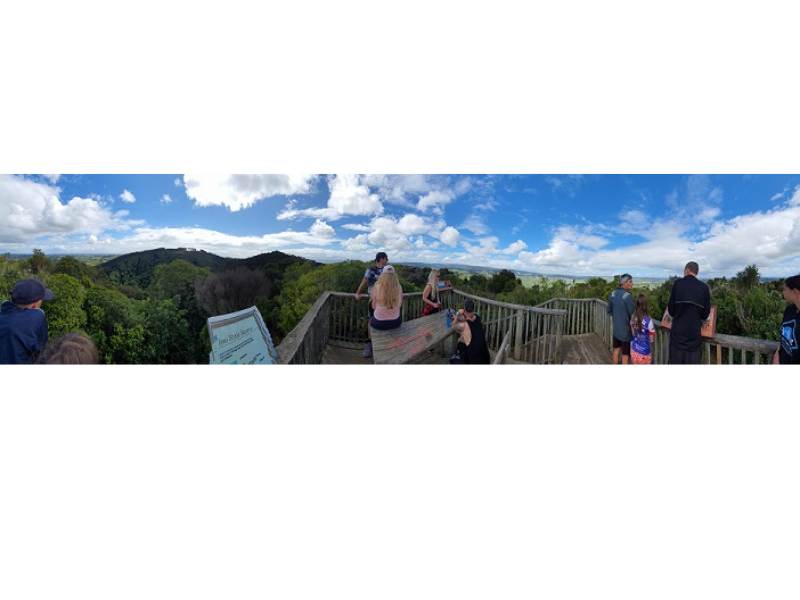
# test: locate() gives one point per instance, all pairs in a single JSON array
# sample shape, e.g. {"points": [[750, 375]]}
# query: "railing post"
{"points": [[518, 334], [559, 330]]}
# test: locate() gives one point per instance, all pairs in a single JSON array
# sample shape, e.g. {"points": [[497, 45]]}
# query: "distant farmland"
{"points": [[530, 280]]}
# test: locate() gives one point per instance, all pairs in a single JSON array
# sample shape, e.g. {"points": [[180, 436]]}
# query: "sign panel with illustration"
{"points": [[241, 338]]}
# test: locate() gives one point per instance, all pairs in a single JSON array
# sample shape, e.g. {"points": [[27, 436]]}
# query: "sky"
{"points": [[647, 225]]}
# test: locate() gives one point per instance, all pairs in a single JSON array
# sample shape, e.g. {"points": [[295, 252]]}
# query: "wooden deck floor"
{"points": [[343, 353], [584, 349]]}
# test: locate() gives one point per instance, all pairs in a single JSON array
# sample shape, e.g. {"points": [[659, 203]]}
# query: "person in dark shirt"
{"points": [[788, 352], [620, 307], [23, 325], [472, 348], [689, 306]]}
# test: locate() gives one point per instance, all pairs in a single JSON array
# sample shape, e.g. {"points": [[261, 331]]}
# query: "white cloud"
{"points": [[52, 178], [166, 199], [177, 182], [29, 210], [364, 195], [349, 196], [769, 239], [238, 192], [355, 227], [708, 214], [127, 197], [569, 184], [777, 196], [392, 234], [795, 199], [450, 236], [634, 218], [516, 247], [147, 238], [488, 205], [357, 243], [322, 230], [435, 200], [400, 189], [411, 224], [386, 233], [476, 224]]}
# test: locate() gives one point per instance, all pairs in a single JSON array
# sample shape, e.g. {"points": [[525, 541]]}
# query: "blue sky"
{"points": [[649, 225]]}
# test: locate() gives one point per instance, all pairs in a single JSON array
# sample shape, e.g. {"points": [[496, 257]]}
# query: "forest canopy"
{"points": [[152, 307]]}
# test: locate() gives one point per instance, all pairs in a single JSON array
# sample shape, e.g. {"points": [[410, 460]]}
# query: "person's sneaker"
{"points": [[367, 350]]}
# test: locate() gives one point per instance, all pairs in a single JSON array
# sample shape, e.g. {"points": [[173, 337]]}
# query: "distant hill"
{"points": [[137, 268]]}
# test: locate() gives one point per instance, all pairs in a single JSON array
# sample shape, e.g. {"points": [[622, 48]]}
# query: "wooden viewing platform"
{"points": [[559, 331]]}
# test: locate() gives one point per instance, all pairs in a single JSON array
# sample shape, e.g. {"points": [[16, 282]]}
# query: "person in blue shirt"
{"points": [[23, 325], [620, 307]]}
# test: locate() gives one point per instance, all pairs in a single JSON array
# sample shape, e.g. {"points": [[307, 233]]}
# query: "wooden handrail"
{"points": [[734, 342], [351, 295], [500, 357], [295, 338], [305, 343], [544, 311]]}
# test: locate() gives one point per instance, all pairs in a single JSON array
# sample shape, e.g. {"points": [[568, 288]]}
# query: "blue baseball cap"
{"points": [[29, 291]]}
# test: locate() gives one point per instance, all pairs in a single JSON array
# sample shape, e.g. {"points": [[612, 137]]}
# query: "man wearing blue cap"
{"points": [[23, 326]]}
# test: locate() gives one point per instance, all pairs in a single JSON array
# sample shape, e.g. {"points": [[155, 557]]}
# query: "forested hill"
{"points": [[137, 268], [152, 307]]}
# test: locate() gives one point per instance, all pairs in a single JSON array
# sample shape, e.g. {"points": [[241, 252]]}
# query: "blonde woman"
{"points": [[387, 299], [430, 295]]}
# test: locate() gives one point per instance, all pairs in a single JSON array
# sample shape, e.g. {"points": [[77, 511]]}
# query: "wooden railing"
{"points": [[532, 334], [591, 316], [524, 333], [335, 316], [349, 318], [535, 331], [502, 353], [305, 343]]}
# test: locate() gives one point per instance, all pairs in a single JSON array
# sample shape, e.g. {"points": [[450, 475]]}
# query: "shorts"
{"points": [[641, 359], [385, 325], [626, 346]]}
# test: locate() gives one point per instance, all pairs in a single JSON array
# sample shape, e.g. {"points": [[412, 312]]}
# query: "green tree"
{"points": [[503, 281], [748, 278], [69, 265], [65, 312], [107, 309], [39, 262], [126, 346], [11, 271], [176, 280], [167, 339], [302, 286]]}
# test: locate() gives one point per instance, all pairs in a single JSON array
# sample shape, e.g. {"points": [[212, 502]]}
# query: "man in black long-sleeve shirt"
{"points": [[689, 306]]}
